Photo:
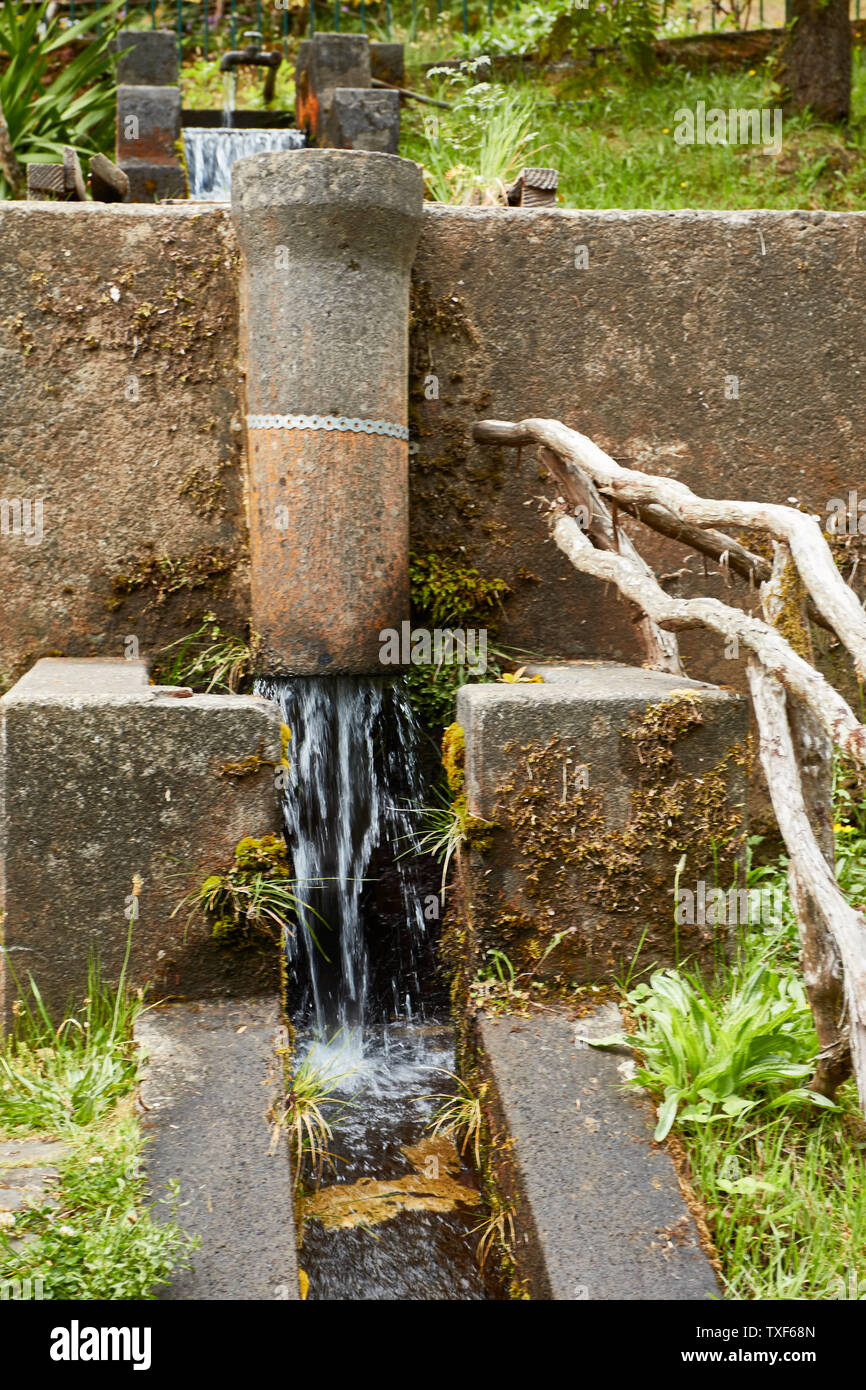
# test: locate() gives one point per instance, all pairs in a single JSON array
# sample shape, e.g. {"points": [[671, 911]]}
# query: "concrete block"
{"points": [[104, 777], [148, 131], [128, 424], [146, 58], [363, 119], [599, 1214], [211, 1077], [598, 781], [324, 63], [388, 63]]}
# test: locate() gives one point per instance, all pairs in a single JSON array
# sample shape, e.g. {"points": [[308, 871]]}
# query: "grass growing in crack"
{"points": [[311, 1088], [497, 1230], [206, 660], [461, 1114], [96, 1238]]}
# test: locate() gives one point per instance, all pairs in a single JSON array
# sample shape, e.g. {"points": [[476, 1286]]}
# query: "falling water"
{"points": [[354, 775], [211, 151], [230, 92], [372, 1014]]}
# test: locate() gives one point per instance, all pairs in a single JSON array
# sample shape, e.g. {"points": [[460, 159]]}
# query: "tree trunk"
{"points": [[816, 59]]}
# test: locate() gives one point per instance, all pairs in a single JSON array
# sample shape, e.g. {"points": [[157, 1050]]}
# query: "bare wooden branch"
{"points": [[818, 901], [800, 715], [642, 587], [661, 647], [833, 598]]}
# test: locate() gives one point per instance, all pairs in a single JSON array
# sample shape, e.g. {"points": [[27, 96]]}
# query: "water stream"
{"points": [[210, 152], [368, 1004]]}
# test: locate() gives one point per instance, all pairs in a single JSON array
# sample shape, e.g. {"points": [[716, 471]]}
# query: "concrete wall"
{"points": [[633, 348], [118, 364]]}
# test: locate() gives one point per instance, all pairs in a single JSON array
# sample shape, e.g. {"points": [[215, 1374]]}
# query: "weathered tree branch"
{"points": [[833, 713], [837, 603], [821, 908], [661, 647]]}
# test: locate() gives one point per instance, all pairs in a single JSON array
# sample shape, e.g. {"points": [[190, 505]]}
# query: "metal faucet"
{"points": [[253, 57]]}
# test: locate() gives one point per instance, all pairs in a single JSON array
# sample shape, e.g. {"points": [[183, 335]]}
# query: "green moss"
{"points": [[569, 857], [163, 575], [204, 485], [453, 756], [249, 766], [251, 903], [446, 591]]}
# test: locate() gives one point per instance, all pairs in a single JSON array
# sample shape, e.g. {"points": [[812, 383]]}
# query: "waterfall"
{"points": [[211, 151], [354, 771], [376, 1027]]}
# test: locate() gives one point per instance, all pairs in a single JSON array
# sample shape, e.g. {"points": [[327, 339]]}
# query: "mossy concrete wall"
{"points": [[725, 349], [117, 800], [603, 788], [121, 413]]}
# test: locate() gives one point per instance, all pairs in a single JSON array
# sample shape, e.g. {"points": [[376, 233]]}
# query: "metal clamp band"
{"points": [[342, 423]]}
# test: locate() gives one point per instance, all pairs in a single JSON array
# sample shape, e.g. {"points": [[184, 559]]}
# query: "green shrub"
{"points": [[77, 106]]}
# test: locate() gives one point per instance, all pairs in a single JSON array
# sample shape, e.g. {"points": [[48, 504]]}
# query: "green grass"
{"points": [[101, 1241], [611, 137], [782, 1181], [206, 660], [74, 1081]]}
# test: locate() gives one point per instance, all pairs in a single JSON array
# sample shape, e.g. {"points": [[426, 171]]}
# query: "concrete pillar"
{"points": [[104, 777], [597, 781], [328, 238], [326, 62], [146, 58], [363, 119], [148, 115]]}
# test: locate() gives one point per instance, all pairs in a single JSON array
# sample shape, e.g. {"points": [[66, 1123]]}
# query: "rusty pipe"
{"points": [[328, 238]]}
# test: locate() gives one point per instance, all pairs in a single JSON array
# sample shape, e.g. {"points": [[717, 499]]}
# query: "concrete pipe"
{"points": [[328, 238]]}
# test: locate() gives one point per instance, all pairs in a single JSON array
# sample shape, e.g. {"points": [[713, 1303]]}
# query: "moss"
{"points": [[269, 854], [569, 858], [790, 619], [204, 485], [447, 591], [166, 574], [445, 315], [453, 756], [233, 902], [250, 766]]}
